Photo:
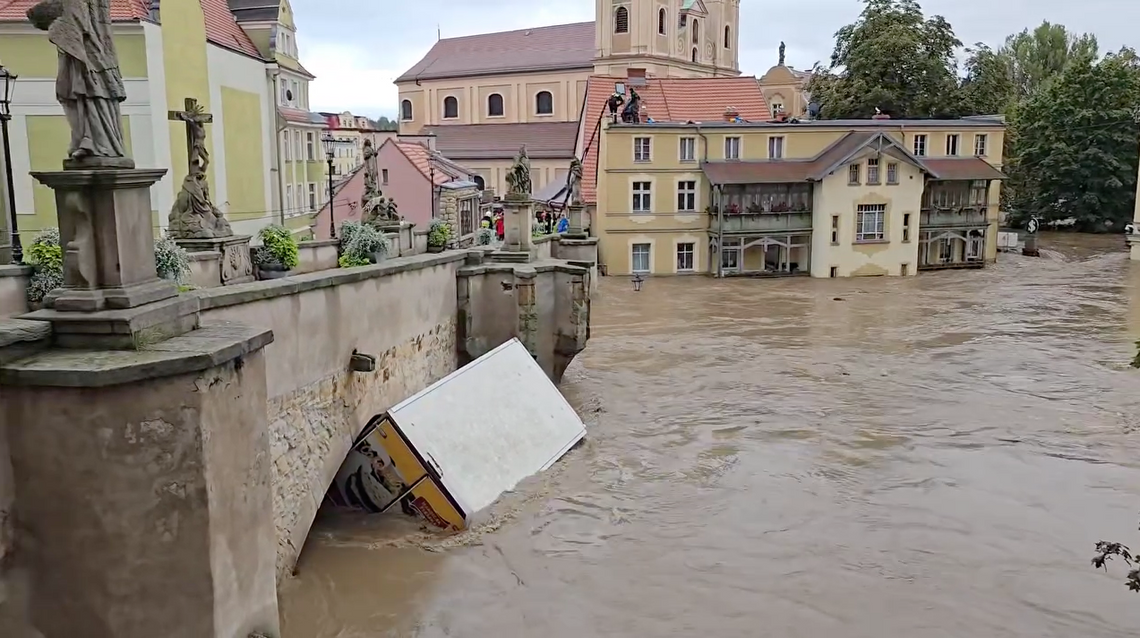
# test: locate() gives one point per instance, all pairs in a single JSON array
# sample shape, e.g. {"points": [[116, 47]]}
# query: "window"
{"points": [[289, 199], [406, 110], [662, 22], [981, 140], [835, 230], [384, 176], [466, 216], [730, 258], [544, 103], [696, 31], [906, 227], [288, 148], [284, 85], [297, 145], [642, 197], [904, 270], [952, 144], [639, 254], [641, 149], [694, 54], [777, 107], [853, 175], [296, 90], [310, 151], [728, 37], [920, 145], [892, 173], [869, 222], [450, 108], [312, 196], [979, 192], [479, 181], [495, 105], [732, 148], [834, 272], [872, 170], [621, 20], [688, 149], [687, 195], [685, 257], [776, 147]]}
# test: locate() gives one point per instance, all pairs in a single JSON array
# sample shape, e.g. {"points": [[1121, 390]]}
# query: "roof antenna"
{"points": [[438, 32]]}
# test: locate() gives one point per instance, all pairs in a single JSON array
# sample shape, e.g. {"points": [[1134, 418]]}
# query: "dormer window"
{"points": [[621, 20]]}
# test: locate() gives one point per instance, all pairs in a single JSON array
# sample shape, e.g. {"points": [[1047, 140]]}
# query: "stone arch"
{"points": [[621, 20]]}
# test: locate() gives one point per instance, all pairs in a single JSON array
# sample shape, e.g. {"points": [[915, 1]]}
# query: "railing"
{"points": [[791, 221], [959, 217]]}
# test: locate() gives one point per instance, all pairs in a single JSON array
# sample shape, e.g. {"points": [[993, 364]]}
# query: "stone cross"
{"points": [[196, 119]]}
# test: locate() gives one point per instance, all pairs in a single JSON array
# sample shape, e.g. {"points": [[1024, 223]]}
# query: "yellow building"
{"points": [[349, 133], [482, 96], [827, 198], [231, 58], [785, 89]]}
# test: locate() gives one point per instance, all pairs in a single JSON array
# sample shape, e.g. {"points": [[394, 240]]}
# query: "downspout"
{"points": [[273, 92], [716, 204]]}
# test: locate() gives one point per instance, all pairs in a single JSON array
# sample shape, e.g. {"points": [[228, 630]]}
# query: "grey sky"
{"points": [[356, 53]]}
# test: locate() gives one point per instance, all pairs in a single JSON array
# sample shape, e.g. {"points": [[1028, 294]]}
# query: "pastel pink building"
{"points": [[409, 172]]}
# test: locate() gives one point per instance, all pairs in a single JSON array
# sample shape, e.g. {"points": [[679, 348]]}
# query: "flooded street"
{"points": [[921, 457]]}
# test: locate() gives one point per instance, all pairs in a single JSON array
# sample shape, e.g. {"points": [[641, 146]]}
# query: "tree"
{"points": [[1038, 56], [1105, 551], [894, 58], [988, 87], [1075, 145], [384, 124]]}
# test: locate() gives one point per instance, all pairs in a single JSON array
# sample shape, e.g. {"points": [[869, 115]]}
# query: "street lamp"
{"points": [[637, 282], [329, 143], [7, 86]]}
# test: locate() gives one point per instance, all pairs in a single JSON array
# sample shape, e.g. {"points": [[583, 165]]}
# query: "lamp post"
{"points": [[7, 86], [637, 279], [329, 142]]}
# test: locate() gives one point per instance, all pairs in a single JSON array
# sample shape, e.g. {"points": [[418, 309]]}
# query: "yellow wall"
{"points": [[618, 227], [494, 172], [245, 164], [781, 86], [30, 55], [568, 89], [187, 76]]}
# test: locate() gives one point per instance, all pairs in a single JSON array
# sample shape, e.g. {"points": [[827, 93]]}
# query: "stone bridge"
{"points": [[421, 316]]}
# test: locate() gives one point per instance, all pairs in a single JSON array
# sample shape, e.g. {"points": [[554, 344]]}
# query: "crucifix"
{"points": [[196, 119]]}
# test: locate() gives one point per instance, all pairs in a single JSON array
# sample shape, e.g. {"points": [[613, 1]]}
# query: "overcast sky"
{"points": [[356, 49]]}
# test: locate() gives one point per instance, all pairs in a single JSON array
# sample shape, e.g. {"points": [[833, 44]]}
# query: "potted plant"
{"points": [[278, 253], [45, 256], [362, 244], [484, 237], [438, 235], [172, 262]]}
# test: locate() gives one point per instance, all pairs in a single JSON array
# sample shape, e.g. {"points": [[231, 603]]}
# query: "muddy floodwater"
{"points": [[922, 457]]}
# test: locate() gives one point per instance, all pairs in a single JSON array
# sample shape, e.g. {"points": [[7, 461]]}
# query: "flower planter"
{"points": [[435, 249], [272, 271], [377, 257]]}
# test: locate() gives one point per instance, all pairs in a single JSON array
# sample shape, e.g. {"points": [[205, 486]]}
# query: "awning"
{"points": [[965, 168]]}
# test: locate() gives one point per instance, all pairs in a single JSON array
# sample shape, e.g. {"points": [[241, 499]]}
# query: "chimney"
{"points": [[635, 77], [879, 115], [730, 114]]}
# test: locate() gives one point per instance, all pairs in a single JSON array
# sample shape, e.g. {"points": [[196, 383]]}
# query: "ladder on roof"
{"points": [[585, 152]]}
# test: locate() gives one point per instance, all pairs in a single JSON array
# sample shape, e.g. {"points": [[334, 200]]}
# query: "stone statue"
{"points": [[782, 48], [88, 83], [574, 189], [377, 209], [518, 177], [193, 216]]}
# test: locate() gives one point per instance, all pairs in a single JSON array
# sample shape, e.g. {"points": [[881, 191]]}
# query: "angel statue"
{"points": [[574, 182], [518, 177], [88, 83]]}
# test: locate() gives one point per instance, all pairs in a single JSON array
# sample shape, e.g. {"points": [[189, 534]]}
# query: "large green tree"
{"points": [[893, 58], [1036, 57], [1075, 145], [988, 87]]}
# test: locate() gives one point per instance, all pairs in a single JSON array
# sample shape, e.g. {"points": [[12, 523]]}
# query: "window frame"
{"points": [[451, 99], [981, 140], [662, 21], [648, 255], [502, 105], [873, 171], [892, 173], [641, 200], [919, 145], [692, 141], [957, 144], [776, 142], [855, 174], [620, 14], [739, 147], [407, 111], [692, 255], [878, 232], [538, 104], [687, 191], [637, 150], [312, 193]]}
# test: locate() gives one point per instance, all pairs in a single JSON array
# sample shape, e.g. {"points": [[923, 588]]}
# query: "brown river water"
{"points": [[923, 457]]}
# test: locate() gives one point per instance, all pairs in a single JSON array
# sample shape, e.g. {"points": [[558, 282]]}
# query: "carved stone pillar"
{"points": [[236, 267], [518, 245]]}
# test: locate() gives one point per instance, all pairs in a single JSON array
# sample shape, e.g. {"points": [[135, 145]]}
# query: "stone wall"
{"points": [[402, 311], [449, 199], [13, 290]]}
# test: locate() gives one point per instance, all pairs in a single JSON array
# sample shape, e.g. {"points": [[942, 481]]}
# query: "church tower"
{"points": [[668, 38]]}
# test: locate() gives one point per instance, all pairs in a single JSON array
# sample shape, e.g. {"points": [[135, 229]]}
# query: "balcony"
{"points": [[954, 204], [960, 217], [749, 223], [764, 208]]}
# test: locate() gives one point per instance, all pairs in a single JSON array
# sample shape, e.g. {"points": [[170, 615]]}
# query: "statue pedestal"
{"points": [[518, 243], [577, 228], [1133, 246], [236, 266]]}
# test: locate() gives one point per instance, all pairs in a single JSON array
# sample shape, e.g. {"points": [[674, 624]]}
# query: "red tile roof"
{"points": [[669, 100], [564, 46], [221, 28], [543, 140], [121, 10], [424, 160]]}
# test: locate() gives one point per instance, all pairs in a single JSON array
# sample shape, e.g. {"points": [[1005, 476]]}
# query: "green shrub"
{"points": [[438, 233], [350, 261], [171, 261], [361, 243], [45, 256], [278, 247], [484, 237]]}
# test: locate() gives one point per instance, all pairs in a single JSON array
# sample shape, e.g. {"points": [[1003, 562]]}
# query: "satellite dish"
{"points": [[288, 95], [814, 109], [1032, 226]]}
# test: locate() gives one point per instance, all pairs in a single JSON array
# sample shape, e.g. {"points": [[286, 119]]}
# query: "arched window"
{"points": [[480, 183], [727, 37], [662, 22], [406, 110], [621, 20], [450, 107], [495, 105], [694, 54], [544, 103], [696, 31]]}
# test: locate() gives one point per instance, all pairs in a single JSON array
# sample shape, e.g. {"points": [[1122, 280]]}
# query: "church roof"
{"points": [[564, 46], [425, 160], [543, 140], [669, 100]]}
